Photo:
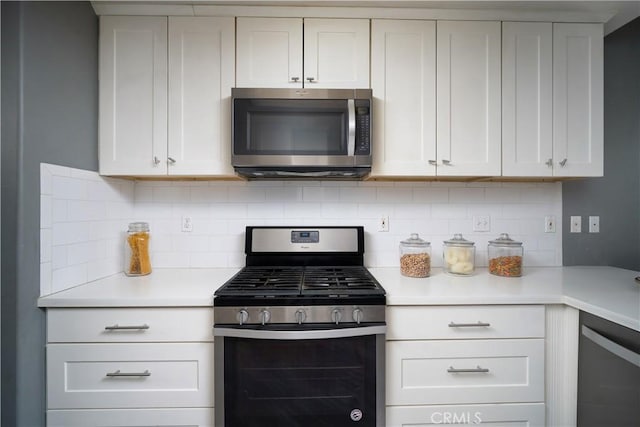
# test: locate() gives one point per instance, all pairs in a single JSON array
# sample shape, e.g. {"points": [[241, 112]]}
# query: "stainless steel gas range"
{"points": [[299, 332]]}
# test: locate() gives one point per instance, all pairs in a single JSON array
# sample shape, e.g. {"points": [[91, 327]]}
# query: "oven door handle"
{"points": [[615, 348], [311, 334]]}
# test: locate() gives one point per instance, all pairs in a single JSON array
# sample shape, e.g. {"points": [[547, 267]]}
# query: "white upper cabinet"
{"points": [[468, 98], [201, 75], [527, 89], [578, 136], [270, 53], [403, 80], [165, 87], [336, 53], [133, 95]]}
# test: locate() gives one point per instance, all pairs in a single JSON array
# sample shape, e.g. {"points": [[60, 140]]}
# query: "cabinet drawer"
{"points": [[465, 371], [129, 324], [516, 415], [179, 417], [129, 375], [465, 322]]}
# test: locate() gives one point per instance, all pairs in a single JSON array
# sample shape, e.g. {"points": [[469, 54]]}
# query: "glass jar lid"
{"points": [[137, 227], [458, 240], [505, 240], [415, 241]]}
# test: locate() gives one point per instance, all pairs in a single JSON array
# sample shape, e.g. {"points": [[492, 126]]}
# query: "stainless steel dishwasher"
{"points": [[608, 374]]}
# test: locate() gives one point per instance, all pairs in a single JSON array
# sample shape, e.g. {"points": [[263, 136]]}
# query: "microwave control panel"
{"points": [[363, 127]]}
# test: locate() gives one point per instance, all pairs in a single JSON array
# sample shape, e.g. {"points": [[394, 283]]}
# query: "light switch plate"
{"points": [[481, 223], [576, 224], [594, 224]]}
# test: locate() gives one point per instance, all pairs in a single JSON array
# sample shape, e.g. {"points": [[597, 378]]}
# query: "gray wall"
{"points": [[49, 114], [616, 196]]}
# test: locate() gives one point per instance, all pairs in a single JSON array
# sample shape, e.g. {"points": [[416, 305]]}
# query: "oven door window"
{"points": [[290, 127], [300, 382]]}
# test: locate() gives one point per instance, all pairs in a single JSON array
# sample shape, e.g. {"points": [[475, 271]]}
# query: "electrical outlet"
{"points": [[549, 224], [187, 224], [383, 225], [594, 224], [481, 223], [576, 224]]}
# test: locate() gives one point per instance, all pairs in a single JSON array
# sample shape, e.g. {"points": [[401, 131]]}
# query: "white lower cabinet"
{"points": [[176, 417], [130, 367], [465, 365], [512, 415]]}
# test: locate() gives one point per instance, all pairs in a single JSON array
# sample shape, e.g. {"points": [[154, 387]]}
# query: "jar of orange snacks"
{"points": [[505, 256], [136, 250]]}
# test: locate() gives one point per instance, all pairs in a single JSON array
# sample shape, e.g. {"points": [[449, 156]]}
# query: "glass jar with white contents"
{"points": [[459, 256]]}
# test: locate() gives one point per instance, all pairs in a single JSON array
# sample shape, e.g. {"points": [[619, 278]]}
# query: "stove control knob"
{"points": [[242, 316], [265, 316], [336, 315], [301, 316], [357, 315]]}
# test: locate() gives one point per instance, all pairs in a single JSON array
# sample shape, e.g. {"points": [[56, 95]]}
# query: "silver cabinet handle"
{"points": [[295, 79], [171, 160], [477, 369], [156, 160], [446, 162], [549, 162], [612, 347], [563, 162], [469, 325], [433, 162], [311, 79], [117, 373], [117, 327]]}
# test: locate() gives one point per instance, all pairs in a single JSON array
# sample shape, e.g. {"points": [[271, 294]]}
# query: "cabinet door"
{"points": [[151, 375], [527, 145], [468, 97], [201, 75], [464, 371], [578, 139], [175, 417], [336, 53], [500, 415], [269, 52], [133, 95], [403, 79]]}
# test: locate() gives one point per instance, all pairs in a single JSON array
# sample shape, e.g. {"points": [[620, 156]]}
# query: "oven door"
{"points": [[311, 377]]}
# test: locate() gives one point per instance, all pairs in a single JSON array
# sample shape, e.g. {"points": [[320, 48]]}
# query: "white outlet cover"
{"points": [[576, 224]]}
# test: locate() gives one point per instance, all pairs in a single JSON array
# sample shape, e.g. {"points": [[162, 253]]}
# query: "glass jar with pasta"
{"points": [[136, 250]]}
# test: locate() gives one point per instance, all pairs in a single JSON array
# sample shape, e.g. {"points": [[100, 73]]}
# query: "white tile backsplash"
{"points": [[88, 216]]}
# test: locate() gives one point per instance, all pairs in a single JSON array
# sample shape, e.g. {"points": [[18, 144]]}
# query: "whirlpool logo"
{"points": [[456, 418]]}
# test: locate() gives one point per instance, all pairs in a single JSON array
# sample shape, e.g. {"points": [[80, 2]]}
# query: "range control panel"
{"points": [[305, 236]]}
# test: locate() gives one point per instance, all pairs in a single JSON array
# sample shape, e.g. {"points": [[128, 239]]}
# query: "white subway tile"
{"points": [[46, 211], [170, 260], [68, 277], [302, 210], [320, 194], [375, 211], [247, 194], [70, 232], [340, 210], [45, 279], [394, 194], [449, 211], [69, 188], [84, 174], [58, 256], [284, 194], [466, 195], [81, 210], [228, 210], [105, 267], [46, 179], [358, 194], [46, 243], [415, 210], [502, 194], [431, 195], [267, 210], [57, 170], [170, 195], [208, 260], [209, 194], [189, 243]]}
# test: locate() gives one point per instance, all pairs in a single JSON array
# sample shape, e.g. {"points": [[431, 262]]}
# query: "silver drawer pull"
{"points": [[117, 327], [477, 369], [478, 324], [117, 373]]}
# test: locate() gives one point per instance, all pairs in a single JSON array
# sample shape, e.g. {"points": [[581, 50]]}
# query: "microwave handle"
{"points": [[351, 138]]}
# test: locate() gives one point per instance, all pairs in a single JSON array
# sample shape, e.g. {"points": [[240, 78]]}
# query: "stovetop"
{"points": [[338, 281]]}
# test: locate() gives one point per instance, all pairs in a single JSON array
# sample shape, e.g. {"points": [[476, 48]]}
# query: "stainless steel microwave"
{"points": [[301, 133]]}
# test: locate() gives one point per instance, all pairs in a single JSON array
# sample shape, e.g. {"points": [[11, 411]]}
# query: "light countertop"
{"points": [[607, 292]]}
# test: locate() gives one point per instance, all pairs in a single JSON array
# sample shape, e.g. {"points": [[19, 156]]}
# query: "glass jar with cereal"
{"points": [[505, 256]]}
